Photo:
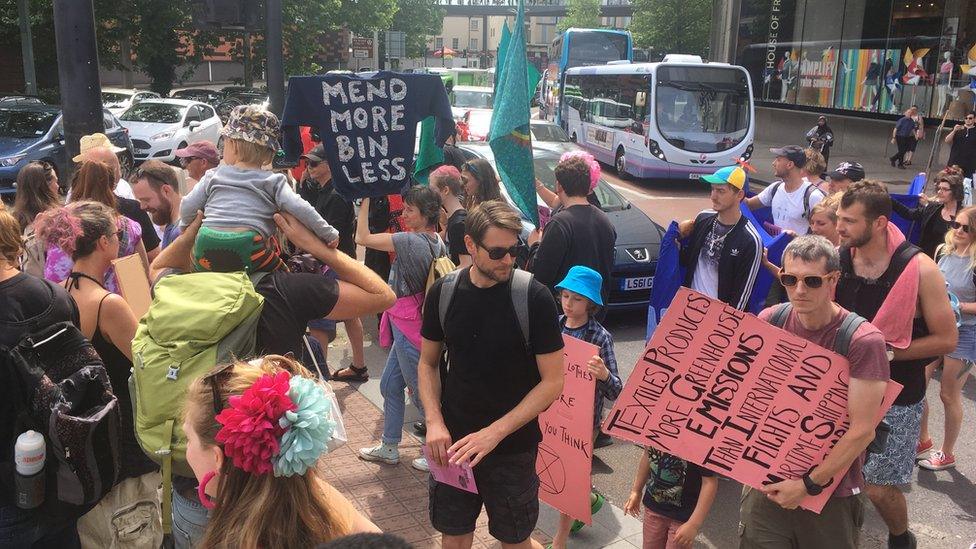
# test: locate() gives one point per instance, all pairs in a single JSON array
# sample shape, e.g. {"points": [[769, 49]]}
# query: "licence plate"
{"points": [[694, 176], [638, 283]]}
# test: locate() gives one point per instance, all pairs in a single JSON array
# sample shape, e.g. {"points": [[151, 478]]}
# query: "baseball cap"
{"points": [[731, 175], [848, 170], [94, 141], [317, 154], [583, 281], [253, 124], [792, 153], [201, 149]]}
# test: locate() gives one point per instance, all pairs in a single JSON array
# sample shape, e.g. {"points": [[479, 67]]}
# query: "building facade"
{"points": [[857, 57]]}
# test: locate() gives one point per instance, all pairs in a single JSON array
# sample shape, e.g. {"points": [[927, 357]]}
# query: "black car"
{"points": [[638, 238], [236, 96], [210, 97]]}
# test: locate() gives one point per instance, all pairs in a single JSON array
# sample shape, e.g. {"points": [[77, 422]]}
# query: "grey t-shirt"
{"points": [[959, 276], [414, 253]]}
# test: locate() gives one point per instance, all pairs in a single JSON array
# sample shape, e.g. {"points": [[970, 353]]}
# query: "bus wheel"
{"points": [[620, 164], [573, 137]]}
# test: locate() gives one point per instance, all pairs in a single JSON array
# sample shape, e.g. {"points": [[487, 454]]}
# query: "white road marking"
{"points": [[645, 196]]}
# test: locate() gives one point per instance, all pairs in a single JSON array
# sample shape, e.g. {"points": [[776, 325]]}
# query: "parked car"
{"points": [[475, 125], [638, 238], [235, 96], [465, 98], [118, 100], [160, 126], [21, 100], [210, 97], [30, 132]]}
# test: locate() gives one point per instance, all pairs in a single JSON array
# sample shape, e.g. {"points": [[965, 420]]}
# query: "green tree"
{"points": [[672, 26], [583, 14], [419, 20]]}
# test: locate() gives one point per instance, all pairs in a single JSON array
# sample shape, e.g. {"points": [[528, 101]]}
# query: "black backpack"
{"points": [[842, 345], [64, 393]]}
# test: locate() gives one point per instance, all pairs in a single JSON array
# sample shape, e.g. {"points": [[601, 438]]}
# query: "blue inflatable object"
{"points": [[911, 229]]}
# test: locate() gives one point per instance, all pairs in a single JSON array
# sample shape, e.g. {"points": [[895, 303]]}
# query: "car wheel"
{"points": [[127, 163], [620, 164]]}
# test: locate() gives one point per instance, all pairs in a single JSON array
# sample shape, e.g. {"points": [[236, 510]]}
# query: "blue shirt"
{"points": [[170, 232], [593, 332], [905, 126], [368, 125]]}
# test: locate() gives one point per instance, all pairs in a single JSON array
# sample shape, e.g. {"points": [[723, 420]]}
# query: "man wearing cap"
{"points": [[792, 197], [157, 188], [196, 158], [844, 175], [724, 251]]}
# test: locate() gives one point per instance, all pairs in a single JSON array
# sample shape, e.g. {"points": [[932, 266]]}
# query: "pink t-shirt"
{"points": [[868, 358]]}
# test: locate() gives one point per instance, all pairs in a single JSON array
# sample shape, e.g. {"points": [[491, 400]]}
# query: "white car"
{"points": [[466, 98], [159, 127], [118, 100]]}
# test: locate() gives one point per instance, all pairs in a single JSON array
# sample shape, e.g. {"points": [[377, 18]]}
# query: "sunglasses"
{"points": [[186, 160], [313, 163], [211, 378], [497, 253], [812, 281], [959, 226], [941, 188], [470, 167]]}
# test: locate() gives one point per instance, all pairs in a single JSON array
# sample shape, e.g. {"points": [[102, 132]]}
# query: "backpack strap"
{"points": [[780, 315], [448, 287], [521, 281], [772, 192], [848, 327], [806, 200]]}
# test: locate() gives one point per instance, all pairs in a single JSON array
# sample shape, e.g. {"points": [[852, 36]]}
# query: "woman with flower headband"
{"points": [[255, 431]]}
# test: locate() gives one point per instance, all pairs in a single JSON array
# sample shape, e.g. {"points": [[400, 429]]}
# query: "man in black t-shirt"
{"points": [[963, 141], [317, 190], [483, 410], [578, 234], [446, 180]]}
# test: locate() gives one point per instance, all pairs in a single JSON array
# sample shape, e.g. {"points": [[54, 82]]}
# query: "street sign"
{"points": [[362, 48], [396, 46]]}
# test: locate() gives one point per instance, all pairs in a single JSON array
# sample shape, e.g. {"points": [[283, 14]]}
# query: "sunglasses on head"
{"points": [[211, 378], [959, 226], [471, 167], [811, 281], [497, 253]]}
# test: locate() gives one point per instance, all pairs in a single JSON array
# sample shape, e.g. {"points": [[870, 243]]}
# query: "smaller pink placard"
{"points": [[458, 476]]}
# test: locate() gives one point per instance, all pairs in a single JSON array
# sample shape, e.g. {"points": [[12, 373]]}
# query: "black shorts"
{"points": [[508, 487]]}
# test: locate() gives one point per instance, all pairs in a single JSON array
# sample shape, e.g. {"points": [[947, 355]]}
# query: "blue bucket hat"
{"points": [[583, 281]]}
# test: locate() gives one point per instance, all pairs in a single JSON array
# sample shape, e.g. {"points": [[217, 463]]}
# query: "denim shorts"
{"points": [[966, 348]]}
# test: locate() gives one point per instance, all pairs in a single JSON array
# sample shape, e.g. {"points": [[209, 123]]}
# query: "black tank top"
{"points": [[865, 297], [134, 462]]}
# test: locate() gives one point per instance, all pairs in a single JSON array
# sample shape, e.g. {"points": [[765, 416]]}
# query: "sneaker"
{"points": [[381, 453], [923, 448], [938, 461], [420, 464], [911, 544]]}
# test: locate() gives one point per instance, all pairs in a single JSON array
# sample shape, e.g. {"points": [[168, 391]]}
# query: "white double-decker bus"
{"points": [[677, 119]]}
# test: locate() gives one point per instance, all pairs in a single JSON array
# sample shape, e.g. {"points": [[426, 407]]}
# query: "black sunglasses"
{"points": [[811, 281], [470, 167], [218, 404], [497, 253], [959, 226], [313, 163]]}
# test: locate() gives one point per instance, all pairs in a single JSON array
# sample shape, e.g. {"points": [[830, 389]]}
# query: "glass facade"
{"points": [[879, 56]]}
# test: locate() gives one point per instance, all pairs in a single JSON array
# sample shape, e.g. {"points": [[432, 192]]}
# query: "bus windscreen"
{"points": [[702, 109], [596, 48]]}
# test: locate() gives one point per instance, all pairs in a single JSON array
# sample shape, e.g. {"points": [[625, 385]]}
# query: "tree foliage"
{"points": [[672, 26], [419, 20], [584, 14]]}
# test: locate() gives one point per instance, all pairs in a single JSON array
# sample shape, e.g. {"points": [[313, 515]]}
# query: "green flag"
{"points": [[533, 75], [429, 155], [509, 138]]}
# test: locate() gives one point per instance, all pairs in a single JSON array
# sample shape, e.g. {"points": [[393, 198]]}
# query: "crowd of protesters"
{"points": [[256, 426]]}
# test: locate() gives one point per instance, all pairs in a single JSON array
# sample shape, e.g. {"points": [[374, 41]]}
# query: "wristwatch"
{"points": [[812, 487]]}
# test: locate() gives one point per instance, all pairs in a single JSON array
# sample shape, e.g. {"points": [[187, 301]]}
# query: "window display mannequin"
{"points": [[869, 87], [944, 80], [788, 76]]}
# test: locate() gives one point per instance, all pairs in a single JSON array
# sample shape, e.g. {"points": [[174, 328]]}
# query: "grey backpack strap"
{"points": [[780, 315], [447, 295], [772, 192], [521, 280], [848, 327]]}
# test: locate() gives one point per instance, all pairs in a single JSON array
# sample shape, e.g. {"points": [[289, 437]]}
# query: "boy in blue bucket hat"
{"points": [[580, 296]]}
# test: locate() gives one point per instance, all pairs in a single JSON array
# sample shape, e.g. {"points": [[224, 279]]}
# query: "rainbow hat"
{"points": [[731, 175]]}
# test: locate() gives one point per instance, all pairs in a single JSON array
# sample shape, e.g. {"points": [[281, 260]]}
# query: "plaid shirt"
{"points": [[593, 332]]}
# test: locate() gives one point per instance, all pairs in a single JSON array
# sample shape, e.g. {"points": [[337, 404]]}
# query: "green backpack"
{"points": [[195, 322]]}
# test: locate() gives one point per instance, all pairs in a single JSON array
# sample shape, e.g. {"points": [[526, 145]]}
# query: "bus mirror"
{"points": [[641, 99]]}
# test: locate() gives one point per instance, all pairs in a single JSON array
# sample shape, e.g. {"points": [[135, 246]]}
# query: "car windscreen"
{"points": [[159, 113], [112, 98], [25, 124], [548, 132], [472, 99]]}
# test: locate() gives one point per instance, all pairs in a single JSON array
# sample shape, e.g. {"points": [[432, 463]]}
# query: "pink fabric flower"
{"points": [[595, 169], [251, 431]]}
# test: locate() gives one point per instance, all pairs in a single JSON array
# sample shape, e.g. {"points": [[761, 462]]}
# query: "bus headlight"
{"points": [[656, 150], [748, 154]]}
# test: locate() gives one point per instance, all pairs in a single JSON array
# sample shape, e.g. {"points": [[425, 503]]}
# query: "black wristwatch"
{"points": [[813, 488]]}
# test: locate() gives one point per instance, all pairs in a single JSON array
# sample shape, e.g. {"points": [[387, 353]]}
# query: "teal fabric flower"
{"points": [[308, 428]]}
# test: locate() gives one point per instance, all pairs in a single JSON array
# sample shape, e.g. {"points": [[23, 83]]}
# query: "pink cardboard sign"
{"points": [[720, 388], [458, 476], [566, 451]]}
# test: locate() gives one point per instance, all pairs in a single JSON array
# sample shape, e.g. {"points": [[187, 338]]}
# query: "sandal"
{"points": [[351, 374]]}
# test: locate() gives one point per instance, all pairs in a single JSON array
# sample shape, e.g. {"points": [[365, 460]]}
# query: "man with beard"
{"points": [[504, 368], [156, 188], [871, 268]]}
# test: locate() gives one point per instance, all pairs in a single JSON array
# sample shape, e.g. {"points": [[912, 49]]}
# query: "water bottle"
{"points": [[29, 455]]}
